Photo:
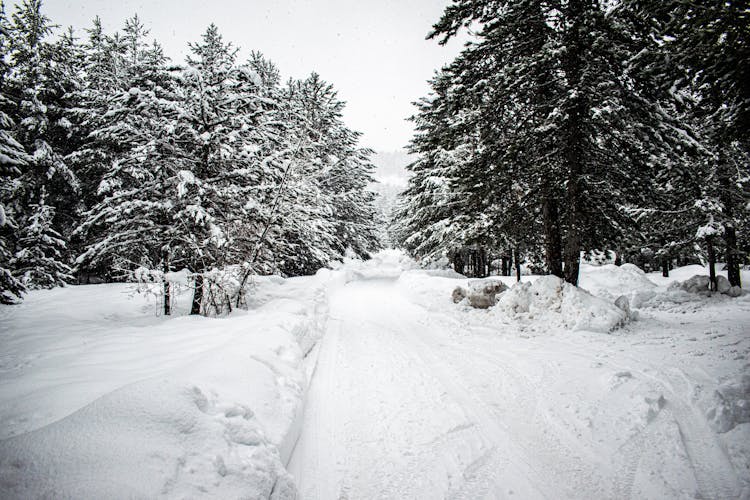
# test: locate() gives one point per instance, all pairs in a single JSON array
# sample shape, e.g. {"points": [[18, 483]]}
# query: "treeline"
{"points": [[572, 126], [116, 163]]}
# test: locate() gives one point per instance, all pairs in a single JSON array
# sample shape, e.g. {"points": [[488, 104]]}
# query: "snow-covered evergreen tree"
{"points": [[40, 259], [143, 187], [105, 76], [331, 181], [42, 73], [12, 160], [234, 145], [210, 166], [425, 215]]}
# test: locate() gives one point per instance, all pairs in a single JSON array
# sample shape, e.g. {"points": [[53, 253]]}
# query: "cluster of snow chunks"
{"points": [[550, 302], [732, 404], [480, 294], [701, 284], [547, 302]]}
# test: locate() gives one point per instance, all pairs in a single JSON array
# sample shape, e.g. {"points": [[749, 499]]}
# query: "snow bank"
{"points": [[610, 282], [691, 297], [686, 272], [538, 303], [101, 398], [686, 288], [217, 428], [550, 302]]}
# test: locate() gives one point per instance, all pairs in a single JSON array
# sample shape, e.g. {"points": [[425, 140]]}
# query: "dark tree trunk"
{"points": [[167, 286], [545, 95], [572, 257], [733, 256], [458, 262], [618, 258], [517, 259], [575, 136], [167, 298], [573, 241], [197, 295], [729, 202], [552, 240], [665, 260], [482, 261], [711, 264]]}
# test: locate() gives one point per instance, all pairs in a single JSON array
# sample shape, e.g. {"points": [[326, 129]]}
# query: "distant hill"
{"points": [[391, 178], [390, 166]]}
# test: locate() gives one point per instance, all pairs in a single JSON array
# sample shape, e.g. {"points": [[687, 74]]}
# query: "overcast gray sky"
{"points": [[373, 51]]}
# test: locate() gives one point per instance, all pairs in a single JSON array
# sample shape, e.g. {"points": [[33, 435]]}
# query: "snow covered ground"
{"points": [[369, 382], [101, 398]]}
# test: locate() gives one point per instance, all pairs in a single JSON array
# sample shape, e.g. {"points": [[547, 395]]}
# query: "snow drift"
{"points": [[611, 281], [99, 399], [201, 431]]}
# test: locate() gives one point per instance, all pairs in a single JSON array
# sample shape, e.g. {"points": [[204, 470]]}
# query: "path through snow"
{"points": [[411, 402]]}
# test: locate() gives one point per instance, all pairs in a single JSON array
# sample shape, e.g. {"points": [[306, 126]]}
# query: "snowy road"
{"points": [[405, 394], [407, 402]]}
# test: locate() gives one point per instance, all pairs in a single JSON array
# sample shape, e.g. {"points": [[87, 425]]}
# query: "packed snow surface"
{"points": [[367, 381]]}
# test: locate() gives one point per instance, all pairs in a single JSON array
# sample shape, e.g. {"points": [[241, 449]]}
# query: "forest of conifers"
{"points": [[572, 126], [116, 163], [564, 128]]}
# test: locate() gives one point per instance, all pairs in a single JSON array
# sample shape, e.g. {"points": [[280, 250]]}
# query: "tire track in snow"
{"points": [[503, 460], [320, 424], [528, 422], [404, 431], [712, 469]]}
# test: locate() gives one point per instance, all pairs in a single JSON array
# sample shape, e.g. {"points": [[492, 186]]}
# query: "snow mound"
{"points": [[695, 284], [222, 426], [549, 302], [732, 404], [611, 281], [682, 273], [154, 438]]}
